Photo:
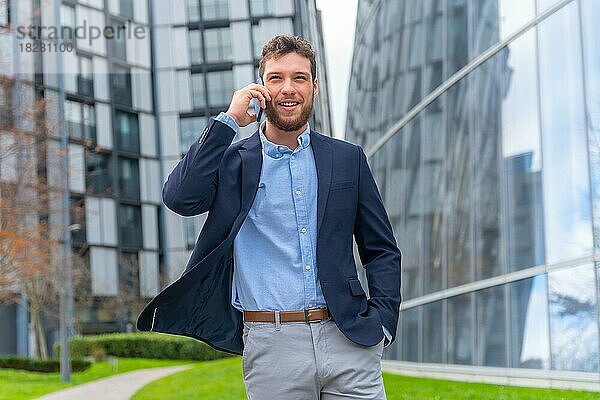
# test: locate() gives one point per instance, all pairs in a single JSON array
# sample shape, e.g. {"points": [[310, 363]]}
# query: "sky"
{"points": [[339, 19]]}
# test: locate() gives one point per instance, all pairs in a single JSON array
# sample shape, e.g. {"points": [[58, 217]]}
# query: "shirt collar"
{"points": [[276, 150]]}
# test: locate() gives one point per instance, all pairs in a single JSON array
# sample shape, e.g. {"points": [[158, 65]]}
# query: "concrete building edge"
{"points": [[588, 381]]}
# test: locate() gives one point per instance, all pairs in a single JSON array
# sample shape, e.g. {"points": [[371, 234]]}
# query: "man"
{"points": [[272, 274]]}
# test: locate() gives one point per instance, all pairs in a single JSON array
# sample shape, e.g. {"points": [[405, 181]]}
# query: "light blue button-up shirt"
{"points": [[275, 249]]}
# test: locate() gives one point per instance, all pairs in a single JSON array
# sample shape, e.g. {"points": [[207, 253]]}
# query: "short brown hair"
{"points": [[281, 45]]}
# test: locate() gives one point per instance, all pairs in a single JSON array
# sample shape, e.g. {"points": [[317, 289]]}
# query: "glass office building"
{"points": [[481, 120], [98, 91], [131, 108]]}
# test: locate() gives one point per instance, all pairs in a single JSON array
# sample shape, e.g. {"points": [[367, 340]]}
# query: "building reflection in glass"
{"points": [[573, 319], [493, 187], [529, 323]]}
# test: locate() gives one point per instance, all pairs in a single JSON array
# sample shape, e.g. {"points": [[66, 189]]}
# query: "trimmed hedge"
{"points": [[29, 364], [142, 345]]}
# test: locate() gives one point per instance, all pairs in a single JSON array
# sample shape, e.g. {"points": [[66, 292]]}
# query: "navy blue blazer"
{"points": [[222, 178]]}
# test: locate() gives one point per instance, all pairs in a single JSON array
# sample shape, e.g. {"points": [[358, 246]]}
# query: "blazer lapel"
{"points": [[323, 161], [250, 153]]}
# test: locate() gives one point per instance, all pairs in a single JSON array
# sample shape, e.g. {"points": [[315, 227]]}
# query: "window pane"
{"points": [[591, 33], [190, 232], [459, 188], [514, 14], [433, 197], [77, 211], [67, 20], [460, 330], [484, 26], [487, 177], [257, 37], [432, 332], [458, 31], [193, 10], [522, 155], [195, 47], [127, 131], [89, 122], [85, 78], [198, 92], [67, 15], [104, 277], [433, 77], [414, 89], [218, 45], [530, 340], [410, 334], [573, 319], [129, 178], [435, 40], [400, 188], [129, 267], [116, 43], [215, 9], [220, 87], [189, 129], [85, 67], [413, 198], [130, 226], [127, 8], [567, 207], [73, 119], [121, 85], [259, 8], [4, 13], [98, 175], [491, 342], [416, 45]]}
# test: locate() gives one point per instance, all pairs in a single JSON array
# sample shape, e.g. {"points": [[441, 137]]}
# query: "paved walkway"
{"points": [[117, 387]]}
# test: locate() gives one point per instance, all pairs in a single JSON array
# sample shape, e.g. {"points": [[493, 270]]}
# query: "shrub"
{"points": [[142, 345], [99, 354], [29, 364]]}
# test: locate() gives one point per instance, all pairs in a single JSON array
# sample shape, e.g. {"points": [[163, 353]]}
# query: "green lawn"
{"points": [[24, 385], [222, 379], [218, 379]]}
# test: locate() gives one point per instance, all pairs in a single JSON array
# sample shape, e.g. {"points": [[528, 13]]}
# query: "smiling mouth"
{"points": [[289, 105]]}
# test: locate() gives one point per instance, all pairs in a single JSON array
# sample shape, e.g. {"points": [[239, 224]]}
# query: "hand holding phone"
{"points": [[253, 97]]}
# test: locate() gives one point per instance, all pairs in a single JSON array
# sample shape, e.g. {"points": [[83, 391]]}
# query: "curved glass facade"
{"points": [[493, 185]]}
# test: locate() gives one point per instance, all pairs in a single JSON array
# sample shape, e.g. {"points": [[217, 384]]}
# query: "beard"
{"points": [[290, 124]]}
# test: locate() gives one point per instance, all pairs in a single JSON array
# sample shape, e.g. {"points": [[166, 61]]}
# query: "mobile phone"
{"points": [[258, 110]]}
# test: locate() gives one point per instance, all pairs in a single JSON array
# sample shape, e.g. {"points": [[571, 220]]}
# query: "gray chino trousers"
{"points": [[300, 361]]}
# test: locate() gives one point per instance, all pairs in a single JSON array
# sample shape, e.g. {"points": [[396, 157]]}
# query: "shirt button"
{"points": [[293, 157], [307, 267], [277, 155], [303, 230], [298, 192]]}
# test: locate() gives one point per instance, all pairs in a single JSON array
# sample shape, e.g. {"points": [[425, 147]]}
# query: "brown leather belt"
{"points": [[310, 315]]}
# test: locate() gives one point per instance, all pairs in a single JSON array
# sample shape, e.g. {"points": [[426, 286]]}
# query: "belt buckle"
{"points": [[307, 316]]}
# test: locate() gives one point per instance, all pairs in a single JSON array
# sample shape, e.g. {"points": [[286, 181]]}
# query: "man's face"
{"points": [[292, 89]]}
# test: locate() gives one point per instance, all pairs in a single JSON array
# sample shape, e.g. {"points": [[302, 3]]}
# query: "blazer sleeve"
{"points": [[191, 186], [377, 248]]}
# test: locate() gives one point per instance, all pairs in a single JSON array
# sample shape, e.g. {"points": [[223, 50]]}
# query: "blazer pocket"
{"points": [[342, 185], [355, 287]]}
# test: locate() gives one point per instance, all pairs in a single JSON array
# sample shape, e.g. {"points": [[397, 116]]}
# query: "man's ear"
{"points": [[316, 88]]}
